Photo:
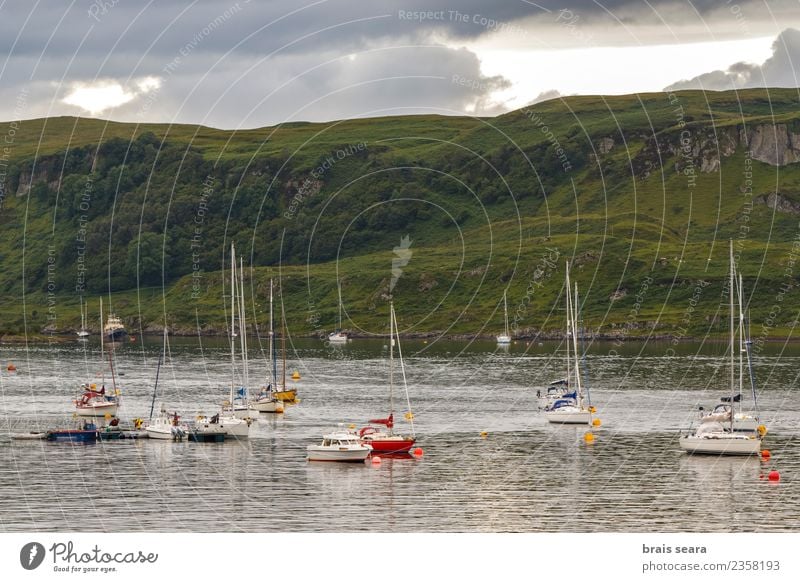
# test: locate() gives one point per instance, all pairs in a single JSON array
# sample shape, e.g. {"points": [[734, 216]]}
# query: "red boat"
{"points": [[385, 441], [382, 439]]}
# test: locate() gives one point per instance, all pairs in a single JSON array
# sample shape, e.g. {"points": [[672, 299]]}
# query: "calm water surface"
{"points": [[524, 476]]}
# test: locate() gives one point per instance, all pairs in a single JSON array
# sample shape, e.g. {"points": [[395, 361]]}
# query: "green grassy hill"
{"points": [[641, 192]]}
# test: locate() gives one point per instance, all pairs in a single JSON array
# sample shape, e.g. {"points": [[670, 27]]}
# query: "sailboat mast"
{"points": [[569, 357], [243, 327], [283, 346], [233, 321], [273, 362], [730, 305], [102, 330], [391, 357], [158, 371], [505, 311], [339, 286], [575, 348], [410, 415]]}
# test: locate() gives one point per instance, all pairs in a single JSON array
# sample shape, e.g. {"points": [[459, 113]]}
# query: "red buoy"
{"points": [[376, 460], [418, 452], [774, 476], [765, 455]]}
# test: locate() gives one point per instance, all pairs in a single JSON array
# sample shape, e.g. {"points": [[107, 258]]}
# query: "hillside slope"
{"points": [[642, 192]]}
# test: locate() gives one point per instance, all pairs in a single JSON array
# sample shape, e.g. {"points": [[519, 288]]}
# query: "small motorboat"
{"points": [[342, 446], [227, 425], [87, 433], [167, 426]]}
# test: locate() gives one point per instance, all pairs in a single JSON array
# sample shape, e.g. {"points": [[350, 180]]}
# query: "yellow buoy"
{"points": [[409, 415], [296, 375], [351, 427], [484, 434], [588, 437], [596, 422], [592, 409], [762, 430]]}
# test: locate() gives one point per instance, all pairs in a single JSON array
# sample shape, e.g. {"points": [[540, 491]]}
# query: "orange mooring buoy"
{"points": [[418, 452], [766, 455], [376, 460], [11, 367]]}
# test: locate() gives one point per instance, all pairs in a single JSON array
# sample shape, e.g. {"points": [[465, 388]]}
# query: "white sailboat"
{"points": [[165, 426], [233, 423], [265, 400], [82, 332], [571, 408], [95, 403], [338, 336], [725, 431], [504, 338]]}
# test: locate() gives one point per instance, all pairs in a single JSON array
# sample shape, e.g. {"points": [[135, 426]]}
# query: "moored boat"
{"points": [[96, 403], [724, 431], [379, 434], [340, 446], [570, 408], [86, 433]]}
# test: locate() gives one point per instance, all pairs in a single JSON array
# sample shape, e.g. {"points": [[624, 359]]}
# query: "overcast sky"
{"points": [[229, 63]]}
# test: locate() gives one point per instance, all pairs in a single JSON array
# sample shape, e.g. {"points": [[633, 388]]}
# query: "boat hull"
{"points": [[275, 406], [289, 396], [341, 455], [28, 436], [118, 335], [390, 446], [338, 338], [97, 410], [74, 436], [729, 445], [568, 416], [503, 340], [165, 433]]}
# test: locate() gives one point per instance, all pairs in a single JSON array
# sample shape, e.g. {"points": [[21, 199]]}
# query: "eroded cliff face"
{"points": [[703, 149]]}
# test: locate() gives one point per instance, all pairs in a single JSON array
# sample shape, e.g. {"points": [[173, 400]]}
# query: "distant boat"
{"points": [[114, 330], [341, 446], [570, 408], [723, 431], [83, 333], [283, 393], [384, 440], [504, 338], [338, 336]]}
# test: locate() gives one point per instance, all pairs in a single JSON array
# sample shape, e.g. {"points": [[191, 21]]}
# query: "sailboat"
{"points": [[384, 440], [338, 336], [82, 332], [96, 403], [265, 400], [284, 394], [165, 426], [227, 419], [570, 408], [504, 338], [724, 431]]}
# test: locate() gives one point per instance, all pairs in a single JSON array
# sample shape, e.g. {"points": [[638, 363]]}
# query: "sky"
{"points": [[243, 64]]}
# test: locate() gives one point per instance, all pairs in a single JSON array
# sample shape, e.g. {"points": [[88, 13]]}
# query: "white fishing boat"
{"points": [[338, 336], [724, 431], [114, 330], [265, 400], [341, 446], [167, 426], [504, 338], [571, 408]]}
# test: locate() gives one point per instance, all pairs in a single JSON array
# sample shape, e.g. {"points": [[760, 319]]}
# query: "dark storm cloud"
{"points": [[227, 62], [782, 69]]}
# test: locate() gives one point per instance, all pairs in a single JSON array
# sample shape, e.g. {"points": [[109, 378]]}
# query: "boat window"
{"points": [[326, 443]]}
